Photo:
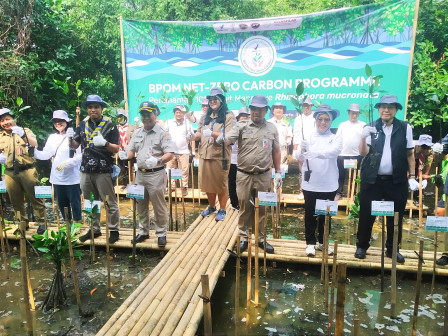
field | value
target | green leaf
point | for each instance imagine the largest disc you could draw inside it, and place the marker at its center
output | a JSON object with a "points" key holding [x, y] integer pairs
{"points": [[368, 70], [43, 249], [300, 88], [19, 101]]}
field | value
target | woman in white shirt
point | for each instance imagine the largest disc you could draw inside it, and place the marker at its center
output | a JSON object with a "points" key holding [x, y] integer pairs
{"points": [[65, 167], [319, 173]]}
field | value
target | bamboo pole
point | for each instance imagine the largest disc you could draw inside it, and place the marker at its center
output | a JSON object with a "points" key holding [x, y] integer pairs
{"points": [[342, 274], [352, 191], [92, 236], [249, 271], [170, 200], [411, 207], [184, 223], [199, 185], [445, 320], [325, 256], [256, 264], [420, 200], [134, 229], [436, 194], [417, 290], [117, 186], [237, 285], [206, 305], [383, 241], [433, 281], [107, 243], [356, 327], [349, 188], [58, 220], [72, 261], [2, 219], [175, 206], [273, 218], [192, 184], [333, 286], [3, 244], [264, 240], [123, 67], [393, 275], [278, 228]]}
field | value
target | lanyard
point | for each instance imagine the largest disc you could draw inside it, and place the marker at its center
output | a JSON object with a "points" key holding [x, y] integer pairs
{"points": [[89, 135]]}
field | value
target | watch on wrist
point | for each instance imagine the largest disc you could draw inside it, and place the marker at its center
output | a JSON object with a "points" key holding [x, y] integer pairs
{"points": [[106, 144], [411, 175]]}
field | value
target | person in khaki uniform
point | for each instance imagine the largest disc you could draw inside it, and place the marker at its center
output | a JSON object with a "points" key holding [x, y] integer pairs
{"points": [[20, 174], [153, 147], [214, 164], [258, 151]]}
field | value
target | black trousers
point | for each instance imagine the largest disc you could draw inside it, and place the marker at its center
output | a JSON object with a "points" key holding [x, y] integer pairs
{"points": [[343, 172], [381, 189], [313, 221], [232, 186]]}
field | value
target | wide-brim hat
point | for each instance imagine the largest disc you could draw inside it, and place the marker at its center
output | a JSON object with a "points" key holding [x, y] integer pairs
{"points": [[389, 99], [60, 114], [259, 101], [279, 105], [93, 99], [5, 110], [308, 101], [242, 111], [179, 107], [425, 139], [148, 107], [204, 101], [354, 108], [214, 91], [325, 108], [122, 112]]}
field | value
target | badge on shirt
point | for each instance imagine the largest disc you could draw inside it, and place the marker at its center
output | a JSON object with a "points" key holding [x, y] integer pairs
{"points": [[211, 140], [265, 143], [150, 150]]}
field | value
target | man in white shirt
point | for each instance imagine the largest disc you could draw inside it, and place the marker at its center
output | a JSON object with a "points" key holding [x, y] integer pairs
{"points": [[304, 127], [283, 127], [181, 134], [350, 131]]}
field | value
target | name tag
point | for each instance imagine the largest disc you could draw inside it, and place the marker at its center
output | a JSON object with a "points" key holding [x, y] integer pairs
{"points": [[436, 223], [267, 198], [42, 192], [94, 207], [2, 187], [382, 208], [321, 207], [349, 164], [196, 162], [135, 191]]}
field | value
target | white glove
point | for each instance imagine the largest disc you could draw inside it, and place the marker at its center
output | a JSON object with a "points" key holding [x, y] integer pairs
{"points": [[189, 136], [288, 142], [310, 155], [207, 132], [366, 131], [70, 132], [136, 120], [277, 181], [151, 162], [18, 130], [424, 184], [2, 158], [437, 148], [60, 167], [99, 140], [220, 139], [413, 184], [304, 145], [123, 155]]}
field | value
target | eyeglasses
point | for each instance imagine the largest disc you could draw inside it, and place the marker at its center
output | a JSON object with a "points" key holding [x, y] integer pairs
{"points": [[324, 120]]}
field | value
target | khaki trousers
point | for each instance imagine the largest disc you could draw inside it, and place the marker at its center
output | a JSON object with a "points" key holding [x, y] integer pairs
{"points": [[100, 184], [17, 186], [247, 187], [180, 161], [155, 184], [284, 154]]}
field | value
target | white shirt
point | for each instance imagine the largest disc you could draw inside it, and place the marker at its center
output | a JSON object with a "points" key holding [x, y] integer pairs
{"points": [[179, 134], [234, 153], [386, 159], [284, 130], [68, 176], [309, 127], [324, 168], [351, 137]]}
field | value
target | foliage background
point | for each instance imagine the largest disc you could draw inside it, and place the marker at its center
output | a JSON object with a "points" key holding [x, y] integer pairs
{"points": [[69, 40]]}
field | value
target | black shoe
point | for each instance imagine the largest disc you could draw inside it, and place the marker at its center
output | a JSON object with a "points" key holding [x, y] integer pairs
{"points": [[442, 261], [400, 258], [161, 241], [243, 246], [114, 236], [87, 236], [360, 253], [269, 248], [41, 229], [140, 238]]}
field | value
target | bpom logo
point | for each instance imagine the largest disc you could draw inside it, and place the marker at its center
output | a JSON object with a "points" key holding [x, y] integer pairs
{"points": [[257, 55]]}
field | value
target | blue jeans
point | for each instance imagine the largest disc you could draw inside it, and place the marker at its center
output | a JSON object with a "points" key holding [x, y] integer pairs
{"points": [[69, 196]]}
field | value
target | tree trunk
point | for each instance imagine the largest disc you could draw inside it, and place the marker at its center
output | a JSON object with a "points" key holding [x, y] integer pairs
{"points": [[56, 295]]}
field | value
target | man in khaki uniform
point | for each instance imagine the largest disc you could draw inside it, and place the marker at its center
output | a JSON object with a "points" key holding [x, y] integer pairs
{"points": [[20, 174], [258, 151], [152, 146]]}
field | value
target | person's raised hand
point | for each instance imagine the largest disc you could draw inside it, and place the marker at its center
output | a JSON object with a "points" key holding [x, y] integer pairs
{"points": [[18, 130], [367, 130], [99, 140]]}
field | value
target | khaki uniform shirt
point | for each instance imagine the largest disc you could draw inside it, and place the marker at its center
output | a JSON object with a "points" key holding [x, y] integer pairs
{"points": [[155, 142], [208, 149], [255, 144], [7, 146]]}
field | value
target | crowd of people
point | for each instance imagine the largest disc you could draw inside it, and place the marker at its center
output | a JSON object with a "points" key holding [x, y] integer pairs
{"points": [[236, 155]]}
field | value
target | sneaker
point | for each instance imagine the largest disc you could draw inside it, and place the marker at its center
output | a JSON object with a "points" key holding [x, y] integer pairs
{"points": [[310, 251], [221, 215], [269, 248], [207, 212], [87, 236], [400, 258], [320, 247], [442, 261], [300, 196], [114, 236], [41, 229], [161, 241]]}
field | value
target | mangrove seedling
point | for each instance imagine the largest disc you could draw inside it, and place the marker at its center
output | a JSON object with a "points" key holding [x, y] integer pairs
{"points": [[54, 245]]}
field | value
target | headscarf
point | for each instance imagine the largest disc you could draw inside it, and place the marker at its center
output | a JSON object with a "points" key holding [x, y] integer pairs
{"points": [[222, 111], [327, 131]]}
